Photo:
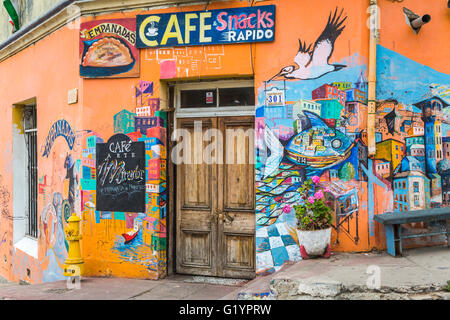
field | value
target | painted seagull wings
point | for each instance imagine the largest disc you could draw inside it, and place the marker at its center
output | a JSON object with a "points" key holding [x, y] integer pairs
{"points": [[324, 46], [304, 55], [314, 63]]}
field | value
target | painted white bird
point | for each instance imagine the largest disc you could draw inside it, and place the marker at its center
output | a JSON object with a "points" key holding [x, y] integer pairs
{"points": [[313, 64]]}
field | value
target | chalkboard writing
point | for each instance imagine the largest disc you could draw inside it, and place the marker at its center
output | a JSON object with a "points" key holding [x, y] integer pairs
{"points": [[121, 175]]}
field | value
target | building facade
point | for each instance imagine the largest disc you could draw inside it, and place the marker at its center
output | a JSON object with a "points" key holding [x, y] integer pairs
{"points": [[180, 133]]}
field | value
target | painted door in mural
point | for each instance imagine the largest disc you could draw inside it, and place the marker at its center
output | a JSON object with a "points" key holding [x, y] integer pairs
{"points": [[215, 202]]}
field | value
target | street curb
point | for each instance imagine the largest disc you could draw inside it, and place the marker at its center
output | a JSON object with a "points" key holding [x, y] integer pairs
{"points": [[289, 289]]}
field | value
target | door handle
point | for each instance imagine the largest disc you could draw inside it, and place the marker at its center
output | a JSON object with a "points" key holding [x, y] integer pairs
{"points": [[224, 216], [229, 218], [217, 216]]}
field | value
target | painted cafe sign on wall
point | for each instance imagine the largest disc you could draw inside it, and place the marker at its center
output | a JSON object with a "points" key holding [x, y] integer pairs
{"points": [[222, 26], [121, 175]]}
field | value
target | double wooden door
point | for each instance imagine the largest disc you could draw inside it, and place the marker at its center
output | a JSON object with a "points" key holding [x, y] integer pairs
{"points": [[215, 193]]}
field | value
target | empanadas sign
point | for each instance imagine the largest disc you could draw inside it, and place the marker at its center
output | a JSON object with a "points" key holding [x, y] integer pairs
{"points": [[114, 28], [108, 49]]}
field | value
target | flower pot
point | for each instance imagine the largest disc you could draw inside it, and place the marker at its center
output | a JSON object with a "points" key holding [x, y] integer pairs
{"points": [[315, 242]]}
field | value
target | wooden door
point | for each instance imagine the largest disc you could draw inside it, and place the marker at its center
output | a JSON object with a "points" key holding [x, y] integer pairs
{"points": [[215, 201]]}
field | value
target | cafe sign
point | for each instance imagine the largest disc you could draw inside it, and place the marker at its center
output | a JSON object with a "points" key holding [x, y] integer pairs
{"points": [[121, 178], [212, 27]]}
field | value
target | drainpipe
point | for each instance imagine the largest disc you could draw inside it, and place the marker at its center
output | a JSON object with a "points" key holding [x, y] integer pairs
{"points": [[372, 78]]}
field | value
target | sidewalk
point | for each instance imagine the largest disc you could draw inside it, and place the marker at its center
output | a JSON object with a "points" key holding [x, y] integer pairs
{"points": [[173, 288], [420, 274]]}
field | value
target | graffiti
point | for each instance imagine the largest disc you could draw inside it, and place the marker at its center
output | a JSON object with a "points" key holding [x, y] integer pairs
{"points": [[59, 128], [71, 174], [4, 201], [4, 238], [314, 63], [186, 61]]}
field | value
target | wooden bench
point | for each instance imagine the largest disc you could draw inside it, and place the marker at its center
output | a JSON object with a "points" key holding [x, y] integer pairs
{"points": [[392, 222]]}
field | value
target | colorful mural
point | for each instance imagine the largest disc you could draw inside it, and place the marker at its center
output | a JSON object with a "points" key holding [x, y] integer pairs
{"points": [[318, 129], [137, 238], [326, 136], [412, 135], [313, 63]]}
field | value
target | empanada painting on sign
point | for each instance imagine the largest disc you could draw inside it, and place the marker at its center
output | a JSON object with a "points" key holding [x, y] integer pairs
{"points": [[108, 49]]}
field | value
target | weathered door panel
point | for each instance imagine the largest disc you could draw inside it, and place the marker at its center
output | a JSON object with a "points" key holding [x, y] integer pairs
{"points": [[196, 200], [236, 199]]}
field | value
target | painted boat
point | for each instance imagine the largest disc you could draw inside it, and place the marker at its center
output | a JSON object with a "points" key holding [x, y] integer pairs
{"points": [[319, 162], [130, 235]]}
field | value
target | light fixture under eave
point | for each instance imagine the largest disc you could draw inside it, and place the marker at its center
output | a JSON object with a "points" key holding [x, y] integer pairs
{"points": [[415, 21]]}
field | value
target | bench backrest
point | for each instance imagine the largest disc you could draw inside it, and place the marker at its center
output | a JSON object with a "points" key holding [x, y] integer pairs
{"points": [[414, 216]]}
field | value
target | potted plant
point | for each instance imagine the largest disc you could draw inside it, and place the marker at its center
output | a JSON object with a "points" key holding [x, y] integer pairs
{"points": [[314, 220]]}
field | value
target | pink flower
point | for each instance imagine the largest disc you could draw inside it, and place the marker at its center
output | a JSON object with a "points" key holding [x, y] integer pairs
{"points": [[287, 208], [315, 179], [311, 200], [318, 194], [327, 189]]}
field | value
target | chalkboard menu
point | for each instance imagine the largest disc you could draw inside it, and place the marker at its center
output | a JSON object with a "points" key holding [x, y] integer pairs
{"points": [[120, 175]]}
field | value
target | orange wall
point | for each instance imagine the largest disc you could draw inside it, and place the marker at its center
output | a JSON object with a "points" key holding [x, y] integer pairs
{"points": [[48, 69], [429, 46]]}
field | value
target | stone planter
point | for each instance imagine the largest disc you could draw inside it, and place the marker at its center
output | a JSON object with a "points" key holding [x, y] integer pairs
{"points": [[315, 242]]}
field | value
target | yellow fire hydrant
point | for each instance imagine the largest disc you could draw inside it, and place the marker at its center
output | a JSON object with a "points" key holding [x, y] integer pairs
{"points": [[74, 264]]}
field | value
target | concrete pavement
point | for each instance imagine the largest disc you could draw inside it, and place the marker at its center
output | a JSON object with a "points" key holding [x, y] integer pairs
{"points": [[173, 288], [419, 274]]}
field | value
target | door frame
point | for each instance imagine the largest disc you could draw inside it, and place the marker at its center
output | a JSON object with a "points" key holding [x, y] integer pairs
{"points": [[225, 111], [177, 113]]}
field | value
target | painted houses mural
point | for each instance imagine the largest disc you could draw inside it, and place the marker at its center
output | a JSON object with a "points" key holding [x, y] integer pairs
{"points": [[136, 236], [412, 135], [310, 121]]}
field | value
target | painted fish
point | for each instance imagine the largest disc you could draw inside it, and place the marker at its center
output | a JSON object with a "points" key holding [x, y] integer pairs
{"points": [[316, 146]]}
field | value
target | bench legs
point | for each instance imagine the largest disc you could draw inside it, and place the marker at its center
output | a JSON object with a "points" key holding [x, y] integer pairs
{"points": [[448, 232], [398, 228], [394, 239], [390, 239]]}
